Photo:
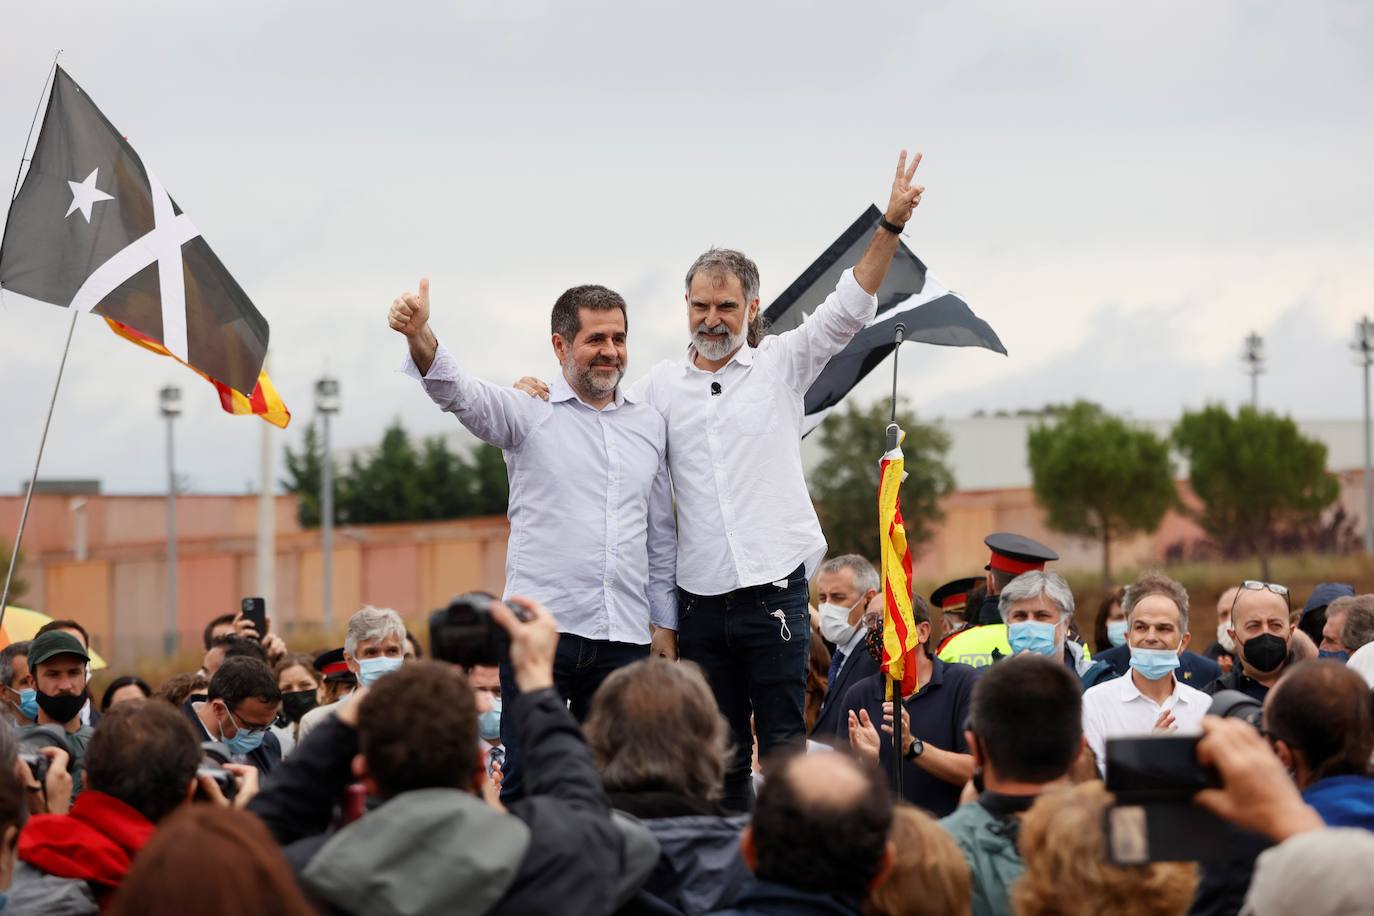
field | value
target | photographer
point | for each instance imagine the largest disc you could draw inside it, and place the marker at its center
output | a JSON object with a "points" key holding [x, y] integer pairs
{"points": [[140, 767], [412, 738], [1319, 722]]}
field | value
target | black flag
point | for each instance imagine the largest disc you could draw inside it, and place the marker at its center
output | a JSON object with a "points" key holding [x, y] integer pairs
{"points": [[93, 229], [931, 313]]}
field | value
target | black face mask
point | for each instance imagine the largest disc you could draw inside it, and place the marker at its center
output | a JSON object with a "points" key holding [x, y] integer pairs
{"points": [[1264, 653], [296, 703], [61, 707]]}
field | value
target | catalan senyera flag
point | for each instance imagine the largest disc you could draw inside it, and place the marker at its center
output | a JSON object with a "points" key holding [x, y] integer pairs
{"points": [[264, 401], [899, 627]]}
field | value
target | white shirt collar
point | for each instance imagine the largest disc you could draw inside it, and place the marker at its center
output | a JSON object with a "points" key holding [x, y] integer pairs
{"points": [[560, 390]]}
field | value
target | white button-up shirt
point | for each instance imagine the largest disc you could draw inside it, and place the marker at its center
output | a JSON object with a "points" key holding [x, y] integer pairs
{"points": [[744, 514], [591, 513], [1118, 708]]}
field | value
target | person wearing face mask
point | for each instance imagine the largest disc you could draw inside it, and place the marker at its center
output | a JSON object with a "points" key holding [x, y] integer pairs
{"points": [[1037, 608], [21, 699], [58, 661], [1152, 697], [240, 706], [1194, 670], [485, 681], [374, 646], [844, 586], [1261, 630], [299, 694], [1332, 644], [985, 640]]}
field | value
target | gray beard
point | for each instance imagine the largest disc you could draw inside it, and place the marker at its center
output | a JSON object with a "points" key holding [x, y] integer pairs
{"points": [[588, 384], [712, 350]]}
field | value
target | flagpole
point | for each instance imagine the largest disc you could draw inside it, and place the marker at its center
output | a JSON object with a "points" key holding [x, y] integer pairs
{"points": [[896, 689], [43, 440]]}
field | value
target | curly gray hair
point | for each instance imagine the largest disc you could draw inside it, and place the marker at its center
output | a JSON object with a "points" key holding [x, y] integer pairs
{"points": [[1033, 584]]}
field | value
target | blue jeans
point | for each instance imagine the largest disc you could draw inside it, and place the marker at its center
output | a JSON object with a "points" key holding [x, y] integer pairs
{"points": [[752, 644], [579, 667]]}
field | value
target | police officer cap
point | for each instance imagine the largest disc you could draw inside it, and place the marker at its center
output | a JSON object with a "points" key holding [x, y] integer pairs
{"points": [[1016, 554], [331, 664], [953, 596]]}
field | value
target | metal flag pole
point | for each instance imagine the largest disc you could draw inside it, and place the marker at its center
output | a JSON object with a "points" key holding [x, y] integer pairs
{"points": [[896, 687], [61, 367]]}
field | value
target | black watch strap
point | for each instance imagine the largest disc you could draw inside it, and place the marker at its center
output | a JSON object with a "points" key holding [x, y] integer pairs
{"points": [[890, 227], [918, 747]]}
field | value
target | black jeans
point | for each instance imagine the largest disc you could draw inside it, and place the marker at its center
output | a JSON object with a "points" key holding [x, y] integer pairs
{"points": [[579, 667], [752, 644]]}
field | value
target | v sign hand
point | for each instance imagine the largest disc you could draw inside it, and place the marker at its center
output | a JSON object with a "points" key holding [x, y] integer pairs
{"points": [[906, 196]]}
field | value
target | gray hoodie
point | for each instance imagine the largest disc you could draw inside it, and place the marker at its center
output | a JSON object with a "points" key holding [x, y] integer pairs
{"points": [[418, 854]]}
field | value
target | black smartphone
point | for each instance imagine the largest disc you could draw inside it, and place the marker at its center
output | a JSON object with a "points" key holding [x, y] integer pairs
{"points": [[1154, 779], [255, 609]]}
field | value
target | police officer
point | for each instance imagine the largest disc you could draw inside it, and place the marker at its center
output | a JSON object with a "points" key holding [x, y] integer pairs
{"points": [[985, 640], [952, 599]]}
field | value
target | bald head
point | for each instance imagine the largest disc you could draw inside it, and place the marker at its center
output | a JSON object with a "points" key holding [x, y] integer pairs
{"points": [[1259, 606], [820, 826]]}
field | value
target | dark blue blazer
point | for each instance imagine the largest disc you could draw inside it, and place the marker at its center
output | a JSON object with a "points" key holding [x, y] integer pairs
{"points": [[857, 666]]}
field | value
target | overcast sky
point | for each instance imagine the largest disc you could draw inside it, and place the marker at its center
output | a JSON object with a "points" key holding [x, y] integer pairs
{"points": [[1122, 190]]}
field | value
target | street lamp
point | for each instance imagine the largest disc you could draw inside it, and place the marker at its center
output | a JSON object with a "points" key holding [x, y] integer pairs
{"points": [[327, 404], [169, 401], [1363, 345], [1253, 357]]}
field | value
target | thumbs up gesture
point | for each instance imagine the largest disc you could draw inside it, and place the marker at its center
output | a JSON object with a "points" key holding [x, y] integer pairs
{"points": [[409, 313]]}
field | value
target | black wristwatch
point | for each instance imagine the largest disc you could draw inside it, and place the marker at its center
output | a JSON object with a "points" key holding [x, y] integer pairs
{"points": [[918, 747], [890, 226]]}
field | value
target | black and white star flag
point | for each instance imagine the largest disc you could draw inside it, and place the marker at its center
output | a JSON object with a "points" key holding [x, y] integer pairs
{"points": [[910, 294], [94, 230]]}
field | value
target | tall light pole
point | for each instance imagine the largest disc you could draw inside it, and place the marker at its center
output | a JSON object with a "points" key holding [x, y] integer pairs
{"points": [[1253, 357], [327, 404], [1364, 355], [169, 400]]}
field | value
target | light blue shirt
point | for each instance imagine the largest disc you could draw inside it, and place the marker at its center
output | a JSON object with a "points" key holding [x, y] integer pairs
{"points": [[592, 535]]}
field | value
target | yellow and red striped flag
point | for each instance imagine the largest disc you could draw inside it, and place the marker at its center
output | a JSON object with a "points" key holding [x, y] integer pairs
{"points": [[264, 401], [899, 628]]}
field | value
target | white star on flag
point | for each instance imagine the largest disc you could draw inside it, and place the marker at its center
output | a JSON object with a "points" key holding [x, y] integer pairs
{"points": [[85, 195]]}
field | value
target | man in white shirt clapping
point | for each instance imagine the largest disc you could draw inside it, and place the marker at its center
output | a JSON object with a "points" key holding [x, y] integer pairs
{"points": [[1148, 698]]}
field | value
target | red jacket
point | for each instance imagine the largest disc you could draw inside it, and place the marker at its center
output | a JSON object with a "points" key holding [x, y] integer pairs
{"points": [[96, 842]]}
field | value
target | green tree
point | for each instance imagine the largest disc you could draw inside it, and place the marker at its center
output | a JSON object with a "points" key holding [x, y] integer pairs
{"points": [[386, 485], [1255, 475], [305, 470], [1097, 477], [491, 487], [19, 586], [844, 486]]}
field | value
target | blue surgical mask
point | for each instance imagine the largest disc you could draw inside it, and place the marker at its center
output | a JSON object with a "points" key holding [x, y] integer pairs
{"points": [[28, 703], [489, 722], [1116, 632], [1033, 636], [1341, 657], [244, 741], [369, 669], [1154, 664]]}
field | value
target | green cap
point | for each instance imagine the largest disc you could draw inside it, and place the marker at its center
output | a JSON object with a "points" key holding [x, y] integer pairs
{"points": [[55, 642]]}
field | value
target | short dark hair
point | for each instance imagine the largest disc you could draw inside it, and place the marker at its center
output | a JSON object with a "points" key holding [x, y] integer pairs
{"points": [[124, 681], [65, 625], [236, 646], [824, 845], [7, 657], [415, 641], [221, 620], [1322, 709], [417, 729], [239, 679], [145, 754], [1027, 712], [567, 319]]}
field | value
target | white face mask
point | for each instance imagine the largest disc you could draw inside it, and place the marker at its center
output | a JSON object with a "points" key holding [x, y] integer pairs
{"points": [[835, 625], [1224, 637]]}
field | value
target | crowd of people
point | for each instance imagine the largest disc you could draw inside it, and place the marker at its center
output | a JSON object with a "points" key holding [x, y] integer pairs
{"points": [[688, 712]]}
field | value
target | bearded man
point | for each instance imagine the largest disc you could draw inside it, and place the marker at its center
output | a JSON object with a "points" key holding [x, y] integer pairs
{"points": [[591, 515]]}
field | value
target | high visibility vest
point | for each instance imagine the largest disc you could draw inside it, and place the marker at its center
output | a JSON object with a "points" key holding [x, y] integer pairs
{"points": [[975, 646]]}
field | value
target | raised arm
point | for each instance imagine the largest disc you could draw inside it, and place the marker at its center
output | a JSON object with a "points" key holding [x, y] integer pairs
{"points": [[494, 414], [805, 350]]}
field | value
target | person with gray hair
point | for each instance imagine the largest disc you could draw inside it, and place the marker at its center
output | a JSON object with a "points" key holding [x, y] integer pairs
{"points": [[1358, 629], [1150, 698], [1037, 607], [374, 645], [844, 587], [21, 699]]}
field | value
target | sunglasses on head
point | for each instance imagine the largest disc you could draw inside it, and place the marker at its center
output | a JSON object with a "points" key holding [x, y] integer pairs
{"points": [[1254, 585]]}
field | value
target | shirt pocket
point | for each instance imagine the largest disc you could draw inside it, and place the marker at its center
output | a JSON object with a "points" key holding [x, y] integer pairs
{"points": [[756, 414]]}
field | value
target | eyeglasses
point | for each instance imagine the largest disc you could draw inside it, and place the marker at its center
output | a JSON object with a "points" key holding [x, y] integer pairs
{"points": [[1254, 585], [245, 727]]}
